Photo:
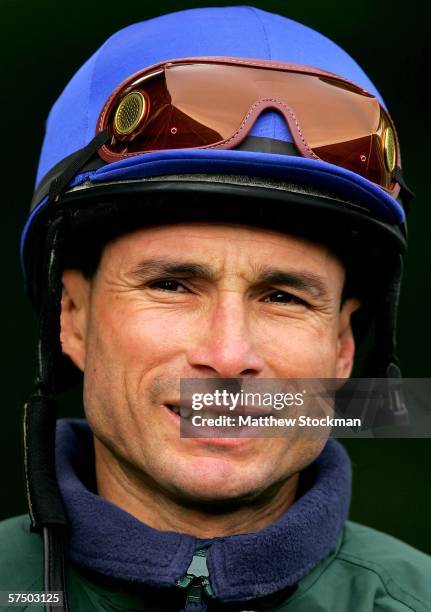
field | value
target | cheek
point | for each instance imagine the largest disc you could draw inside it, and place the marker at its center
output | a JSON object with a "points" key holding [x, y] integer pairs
{"points": [[127, 348], [299, 349], [124, 332], [129, 344]]}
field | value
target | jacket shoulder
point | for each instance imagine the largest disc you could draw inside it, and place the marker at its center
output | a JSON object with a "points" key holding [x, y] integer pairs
{"points": [[403, 570], [21, 555]]}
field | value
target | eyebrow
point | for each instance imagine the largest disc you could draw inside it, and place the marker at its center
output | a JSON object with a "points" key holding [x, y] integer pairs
{"points": [[297, 279], [165, 267], [302, 280]]}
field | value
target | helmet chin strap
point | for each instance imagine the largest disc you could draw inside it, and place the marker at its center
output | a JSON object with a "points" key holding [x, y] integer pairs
{"points": [[386, 349], [47, 514], [45, 505], [384, 404]]}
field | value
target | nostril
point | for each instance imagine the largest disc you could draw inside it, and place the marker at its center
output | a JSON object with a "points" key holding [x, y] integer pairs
{"points": [[248, 373]]}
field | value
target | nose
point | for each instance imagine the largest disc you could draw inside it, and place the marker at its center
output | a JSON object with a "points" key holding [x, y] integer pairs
{"points": [[226, 346]]}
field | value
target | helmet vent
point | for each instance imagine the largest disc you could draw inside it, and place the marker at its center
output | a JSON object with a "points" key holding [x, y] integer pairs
{"points": [[129, 114]]}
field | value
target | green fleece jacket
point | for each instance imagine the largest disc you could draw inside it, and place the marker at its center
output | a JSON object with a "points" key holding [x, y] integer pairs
{"points": [[368, 571]]}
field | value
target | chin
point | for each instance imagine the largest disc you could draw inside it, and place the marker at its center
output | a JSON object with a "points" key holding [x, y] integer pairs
{"points": [[211, 502], [220, 489]]}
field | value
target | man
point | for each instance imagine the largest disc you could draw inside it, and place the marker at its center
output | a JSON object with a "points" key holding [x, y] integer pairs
{"points": [[212, 185]]}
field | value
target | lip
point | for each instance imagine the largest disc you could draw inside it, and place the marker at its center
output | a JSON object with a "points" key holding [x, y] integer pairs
{"points": [[186, 409], [236, 442]]}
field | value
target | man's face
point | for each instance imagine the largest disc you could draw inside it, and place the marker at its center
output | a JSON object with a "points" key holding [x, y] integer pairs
{"points": [[197, 301]]}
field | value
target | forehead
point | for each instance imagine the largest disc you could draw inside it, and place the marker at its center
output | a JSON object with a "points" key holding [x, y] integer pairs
{"points": [[218, 242], [226, 254]]}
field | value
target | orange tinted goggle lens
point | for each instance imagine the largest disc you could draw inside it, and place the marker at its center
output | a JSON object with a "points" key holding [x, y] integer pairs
{"points": [[198, 104]]}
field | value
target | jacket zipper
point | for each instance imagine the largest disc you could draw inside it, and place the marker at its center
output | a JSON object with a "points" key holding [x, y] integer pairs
{"points": [[196, 582]]}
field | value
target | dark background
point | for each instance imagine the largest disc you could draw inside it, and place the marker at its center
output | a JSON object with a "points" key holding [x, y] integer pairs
{"points": [[42, 45]]}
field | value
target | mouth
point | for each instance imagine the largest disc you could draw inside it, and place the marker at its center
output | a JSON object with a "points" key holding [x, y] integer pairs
{"points": [[173, 411], [173, 408], [180, 410], [185, 411], [177, 412]]}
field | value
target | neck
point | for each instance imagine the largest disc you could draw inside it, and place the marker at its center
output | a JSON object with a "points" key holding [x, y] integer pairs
{"points": [[143, 498]]}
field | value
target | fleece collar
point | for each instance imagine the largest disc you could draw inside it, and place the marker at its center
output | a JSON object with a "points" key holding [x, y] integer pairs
{"points": [[107, 540]]}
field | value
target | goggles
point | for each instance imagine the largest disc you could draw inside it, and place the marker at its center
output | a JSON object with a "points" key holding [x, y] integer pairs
{"points": [[212, 103]]}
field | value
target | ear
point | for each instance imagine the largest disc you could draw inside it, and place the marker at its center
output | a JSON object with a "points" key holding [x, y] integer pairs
{"points": [[75, 301], [346, 341]]}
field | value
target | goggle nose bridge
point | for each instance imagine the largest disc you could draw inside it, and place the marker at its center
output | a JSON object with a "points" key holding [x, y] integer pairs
{"points": [[255, 111]]}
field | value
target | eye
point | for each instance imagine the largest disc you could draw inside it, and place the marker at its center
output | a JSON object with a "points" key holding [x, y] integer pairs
{"points": [[168, 285], [282, 297]]}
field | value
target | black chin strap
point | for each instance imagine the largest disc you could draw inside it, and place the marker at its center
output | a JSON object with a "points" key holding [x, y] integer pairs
{"points": [[47, 514], [45, 505], [57, 179], [54, 579], [384, 363]]}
